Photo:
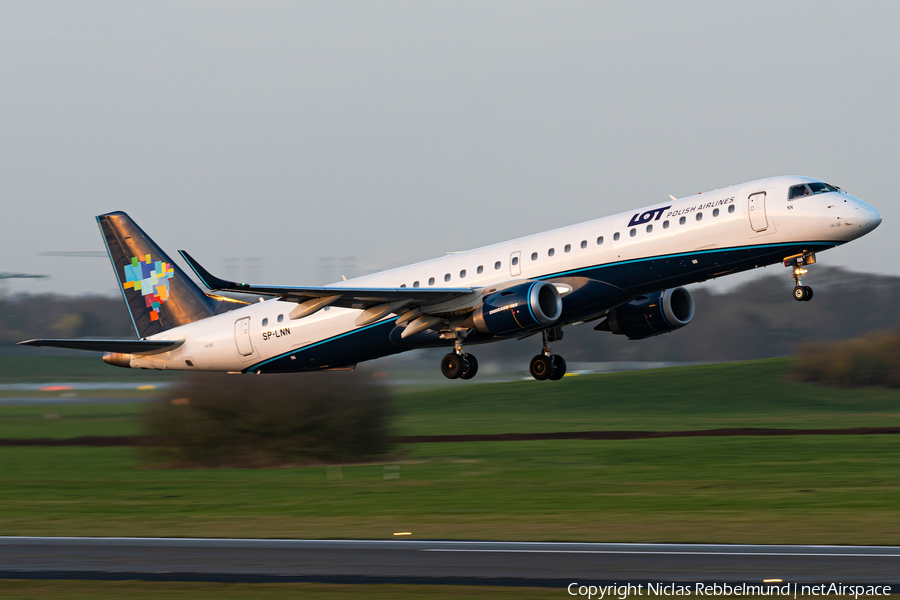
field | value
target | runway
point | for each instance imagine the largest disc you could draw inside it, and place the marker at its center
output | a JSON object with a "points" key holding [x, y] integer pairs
{"points": [[444, 562]]}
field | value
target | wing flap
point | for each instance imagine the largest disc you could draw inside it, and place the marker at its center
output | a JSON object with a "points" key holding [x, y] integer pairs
{"points": [[119, 346]]}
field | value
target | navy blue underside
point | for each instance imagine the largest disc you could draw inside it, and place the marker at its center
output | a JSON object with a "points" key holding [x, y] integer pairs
{"points": [[595, 289]]}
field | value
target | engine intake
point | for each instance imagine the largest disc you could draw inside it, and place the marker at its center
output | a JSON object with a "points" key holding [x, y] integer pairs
{"points": [[650, 315], [524, 307]]}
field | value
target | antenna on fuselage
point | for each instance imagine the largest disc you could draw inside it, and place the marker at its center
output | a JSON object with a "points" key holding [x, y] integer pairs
{"points": [[673, 198]]}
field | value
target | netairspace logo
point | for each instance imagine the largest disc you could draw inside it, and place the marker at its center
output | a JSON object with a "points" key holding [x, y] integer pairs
{"points": [[788, 590]]}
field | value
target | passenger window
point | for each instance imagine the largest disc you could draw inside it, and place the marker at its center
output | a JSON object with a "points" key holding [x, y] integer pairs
{"points": [[265, 322], [551, 252], [584, 244], [665, 224], [515, 261], [633, 232], [480, 269], [431, 281], [280, 318], [497, 265], [682, 220], [415, 284], [534, 256], [599, 240], [447, 277], [649, 228], [616, 236], [403, 285], [699, 216], [568, 248], [462, 273], [731, 208], [798, 191], [716, 212]]}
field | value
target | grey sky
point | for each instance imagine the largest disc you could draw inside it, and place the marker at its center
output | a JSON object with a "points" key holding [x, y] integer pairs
{"points": [[395, 132]]}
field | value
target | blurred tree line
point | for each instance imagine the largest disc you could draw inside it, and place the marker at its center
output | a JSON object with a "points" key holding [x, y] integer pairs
{"points": [[24, 317], [756, 320], [870, 359]]}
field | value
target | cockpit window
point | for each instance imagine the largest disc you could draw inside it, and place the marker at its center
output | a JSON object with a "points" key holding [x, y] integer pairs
{"points": [[818, 187], [798, 191], [821, 188]]}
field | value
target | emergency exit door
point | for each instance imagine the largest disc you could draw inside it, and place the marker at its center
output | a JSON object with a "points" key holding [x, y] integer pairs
{"points": [[515, 268], [757, 211], [242, 336]]}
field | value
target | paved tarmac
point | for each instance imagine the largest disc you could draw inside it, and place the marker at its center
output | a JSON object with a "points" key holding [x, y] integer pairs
{"points": [[446, 562]]}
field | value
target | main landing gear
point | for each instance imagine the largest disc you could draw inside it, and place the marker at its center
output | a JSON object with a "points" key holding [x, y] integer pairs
{"points": [[458, 364], [802, 293], [547, 365]]}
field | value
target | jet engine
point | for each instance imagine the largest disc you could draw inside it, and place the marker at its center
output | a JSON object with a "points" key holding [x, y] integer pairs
{"points": [[529, 305], [653, 314]]}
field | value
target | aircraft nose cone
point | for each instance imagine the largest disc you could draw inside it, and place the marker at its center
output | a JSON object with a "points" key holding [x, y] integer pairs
{"points": [[876, 219], [871, 217]]}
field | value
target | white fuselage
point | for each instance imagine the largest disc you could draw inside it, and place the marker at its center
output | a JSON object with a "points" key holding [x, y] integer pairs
{"points": [[704, 223]]}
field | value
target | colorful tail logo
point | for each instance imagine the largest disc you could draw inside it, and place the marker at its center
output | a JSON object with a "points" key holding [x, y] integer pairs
{"points": [[152, 279]]}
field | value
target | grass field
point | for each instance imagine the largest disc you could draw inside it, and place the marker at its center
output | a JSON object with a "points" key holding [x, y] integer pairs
{"points": [[815, 489], [810, 489], [749, 394], [139, 590], [803, 489], [76, 590]]}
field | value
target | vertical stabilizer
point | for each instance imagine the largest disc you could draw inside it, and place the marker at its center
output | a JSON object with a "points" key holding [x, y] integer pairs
{"points": [[159, 295]]}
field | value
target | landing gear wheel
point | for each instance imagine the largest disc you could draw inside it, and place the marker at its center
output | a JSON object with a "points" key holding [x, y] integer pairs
{"points": [[471, 367], [803, 293], [452, 365], [559, 368], [541, 367]]}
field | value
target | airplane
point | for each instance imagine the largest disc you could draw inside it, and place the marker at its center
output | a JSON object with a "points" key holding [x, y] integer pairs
{"points": [[626, 271]]}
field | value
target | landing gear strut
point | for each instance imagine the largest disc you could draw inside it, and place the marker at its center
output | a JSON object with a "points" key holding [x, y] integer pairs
{"points": [[458, 364], [547, 365], [801, 293]]}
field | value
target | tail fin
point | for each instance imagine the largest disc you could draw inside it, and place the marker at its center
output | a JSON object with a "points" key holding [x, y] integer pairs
{"points": [[159, 295]]}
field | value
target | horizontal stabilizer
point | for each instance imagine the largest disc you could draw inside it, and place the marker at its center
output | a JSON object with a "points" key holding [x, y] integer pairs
{"points": [[338, 295], [118, 346]]}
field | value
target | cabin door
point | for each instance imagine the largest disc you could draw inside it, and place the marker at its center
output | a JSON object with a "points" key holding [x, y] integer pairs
{"points": [[515, 264], [757, 211], [242, 336]]}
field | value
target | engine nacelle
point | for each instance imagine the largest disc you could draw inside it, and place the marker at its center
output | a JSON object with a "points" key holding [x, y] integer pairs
{"points": [[524, 307], [650, 315]]}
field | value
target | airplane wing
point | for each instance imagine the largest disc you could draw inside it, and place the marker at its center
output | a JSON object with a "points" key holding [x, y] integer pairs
{"points": [[344, 297], [119, 346]]}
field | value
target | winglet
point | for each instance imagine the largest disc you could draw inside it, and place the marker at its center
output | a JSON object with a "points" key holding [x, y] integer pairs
{"points": [[209, 280]]}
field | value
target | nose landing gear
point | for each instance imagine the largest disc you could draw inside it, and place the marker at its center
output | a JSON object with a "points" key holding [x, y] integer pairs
{"points": [[547, 365], [802, 293]]}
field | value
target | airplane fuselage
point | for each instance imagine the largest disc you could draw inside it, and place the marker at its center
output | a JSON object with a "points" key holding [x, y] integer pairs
{"points": [[596, 266]]}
